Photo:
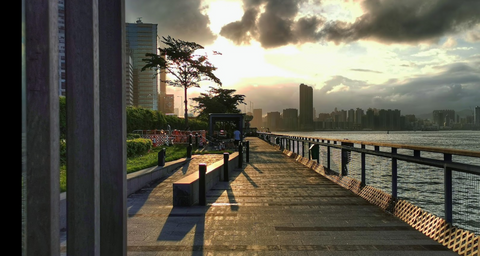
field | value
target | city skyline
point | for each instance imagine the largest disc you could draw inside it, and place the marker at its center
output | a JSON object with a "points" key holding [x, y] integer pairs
{"points": [[343, 49]]}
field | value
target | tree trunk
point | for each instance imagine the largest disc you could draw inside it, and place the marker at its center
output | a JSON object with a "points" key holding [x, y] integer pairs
{"points": [[186, 109]]}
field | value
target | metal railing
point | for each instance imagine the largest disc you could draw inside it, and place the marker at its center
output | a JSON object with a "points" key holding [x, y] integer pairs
{"points": [[444, 182]]}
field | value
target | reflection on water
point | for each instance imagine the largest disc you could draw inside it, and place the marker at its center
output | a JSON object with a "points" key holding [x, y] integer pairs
{"points": [[419, 184]]}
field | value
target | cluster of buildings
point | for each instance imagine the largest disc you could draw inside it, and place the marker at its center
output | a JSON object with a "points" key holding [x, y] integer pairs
{"points": [[306, 119], [143, 88]]}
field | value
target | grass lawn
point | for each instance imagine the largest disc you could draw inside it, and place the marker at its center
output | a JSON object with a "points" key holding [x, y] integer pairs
{"points": [[150, 159]]}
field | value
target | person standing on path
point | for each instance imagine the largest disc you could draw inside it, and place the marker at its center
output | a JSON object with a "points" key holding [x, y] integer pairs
{"points": [[236, 137]]}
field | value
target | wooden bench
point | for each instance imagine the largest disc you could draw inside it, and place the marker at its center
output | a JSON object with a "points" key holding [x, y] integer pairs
{"points": [[186, 190]]}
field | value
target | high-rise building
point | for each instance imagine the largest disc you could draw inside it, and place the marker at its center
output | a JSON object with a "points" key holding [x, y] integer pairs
{"points": [[142, 39], [443, 117], [476, 116], [290, 119], [164, 101], [168, 106], [61, 48], [358, 117], [128, 78], [306, 107], [274, 121], [257, 118]]}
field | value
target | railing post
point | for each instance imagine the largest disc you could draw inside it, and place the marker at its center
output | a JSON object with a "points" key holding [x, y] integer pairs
{"points": [[298, 145], [448, 189], [328, 156], [345, 159], [394, 173], [189, 151], [309, 153], [240, 154], [303, 148], [363, 165], [202, 169], [225, 166], [248, 151], [161, 157]]}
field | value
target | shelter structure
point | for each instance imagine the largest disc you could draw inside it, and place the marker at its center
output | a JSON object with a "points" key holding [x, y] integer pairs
{"points": [[238, 119]]}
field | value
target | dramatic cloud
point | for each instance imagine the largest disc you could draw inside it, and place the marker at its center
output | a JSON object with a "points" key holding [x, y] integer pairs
{"points": [[276, 23], [406, 21], [181, 19], [273, 23]]}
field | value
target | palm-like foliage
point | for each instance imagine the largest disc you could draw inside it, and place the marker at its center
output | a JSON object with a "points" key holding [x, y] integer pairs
{"points": [[186, 67]]}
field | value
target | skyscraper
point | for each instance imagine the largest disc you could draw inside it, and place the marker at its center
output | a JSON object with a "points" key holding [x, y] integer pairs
{"points": [[290, 119], [61, 48], [306, 107], [476, 116], [257, 118], [142, 39]]}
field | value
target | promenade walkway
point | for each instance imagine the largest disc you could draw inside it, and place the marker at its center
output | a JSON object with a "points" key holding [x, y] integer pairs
{"points": [[271, 206]]}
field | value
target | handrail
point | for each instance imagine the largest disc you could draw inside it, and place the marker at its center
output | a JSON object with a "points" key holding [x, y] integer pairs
{"points": [[459, 152], [345, 145]]}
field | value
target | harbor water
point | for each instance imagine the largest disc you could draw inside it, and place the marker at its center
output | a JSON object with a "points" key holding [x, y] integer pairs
{"points": [[421, 185]]}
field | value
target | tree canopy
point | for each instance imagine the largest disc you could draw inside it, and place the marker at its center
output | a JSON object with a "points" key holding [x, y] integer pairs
{"points": [[186, 66], [218, 100]]}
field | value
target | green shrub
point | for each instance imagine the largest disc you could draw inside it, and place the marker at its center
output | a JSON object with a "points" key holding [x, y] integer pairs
{"points": [[132, 136], [138, 146]]}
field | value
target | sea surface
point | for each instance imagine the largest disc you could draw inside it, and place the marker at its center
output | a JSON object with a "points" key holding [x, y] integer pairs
{"points": [[419, 184]]}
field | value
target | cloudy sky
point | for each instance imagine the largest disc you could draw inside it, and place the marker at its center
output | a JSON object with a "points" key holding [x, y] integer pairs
{"points": [[412, 55]]}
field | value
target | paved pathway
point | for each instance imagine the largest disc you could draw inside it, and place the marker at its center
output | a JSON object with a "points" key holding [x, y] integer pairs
{"points": [[271, 206]]}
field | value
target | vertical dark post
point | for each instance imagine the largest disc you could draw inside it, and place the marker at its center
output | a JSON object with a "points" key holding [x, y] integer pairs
{"points": [[343, 160], [363, 165], [416, 153], [113, 182], [40, 131], [202, 198], [240, 154], [83, 122], [309, 153], [196, 140], [394, 173], [448, 189], [161, 157], [225, 166], [190, 139], [298, 146], [247, 156], [189, 151], [303, 148]]}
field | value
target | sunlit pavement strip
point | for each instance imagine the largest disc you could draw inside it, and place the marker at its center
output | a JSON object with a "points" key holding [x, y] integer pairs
{"points": [[271, 206]]}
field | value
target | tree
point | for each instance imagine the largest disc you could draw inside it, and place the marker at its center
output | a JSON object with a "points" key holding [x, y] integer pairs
{"points": [[218, 100], [188, 68]]}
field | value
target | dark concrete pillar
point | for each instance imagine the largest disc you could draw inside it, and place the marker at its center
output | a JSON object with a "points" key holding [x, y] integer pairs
{"points": [[41, 180], [83, 122], [113, 170]]}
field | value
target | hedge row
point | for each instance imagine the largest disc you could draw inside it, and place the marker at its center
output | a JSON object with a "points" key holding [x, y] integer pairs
{"points": [[142, 119], [136, 147]]}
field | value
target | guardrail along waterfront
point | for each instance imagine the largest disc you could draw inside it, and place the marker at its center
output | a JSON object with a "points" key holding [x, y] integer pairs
{"points": [[435, 190]]}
